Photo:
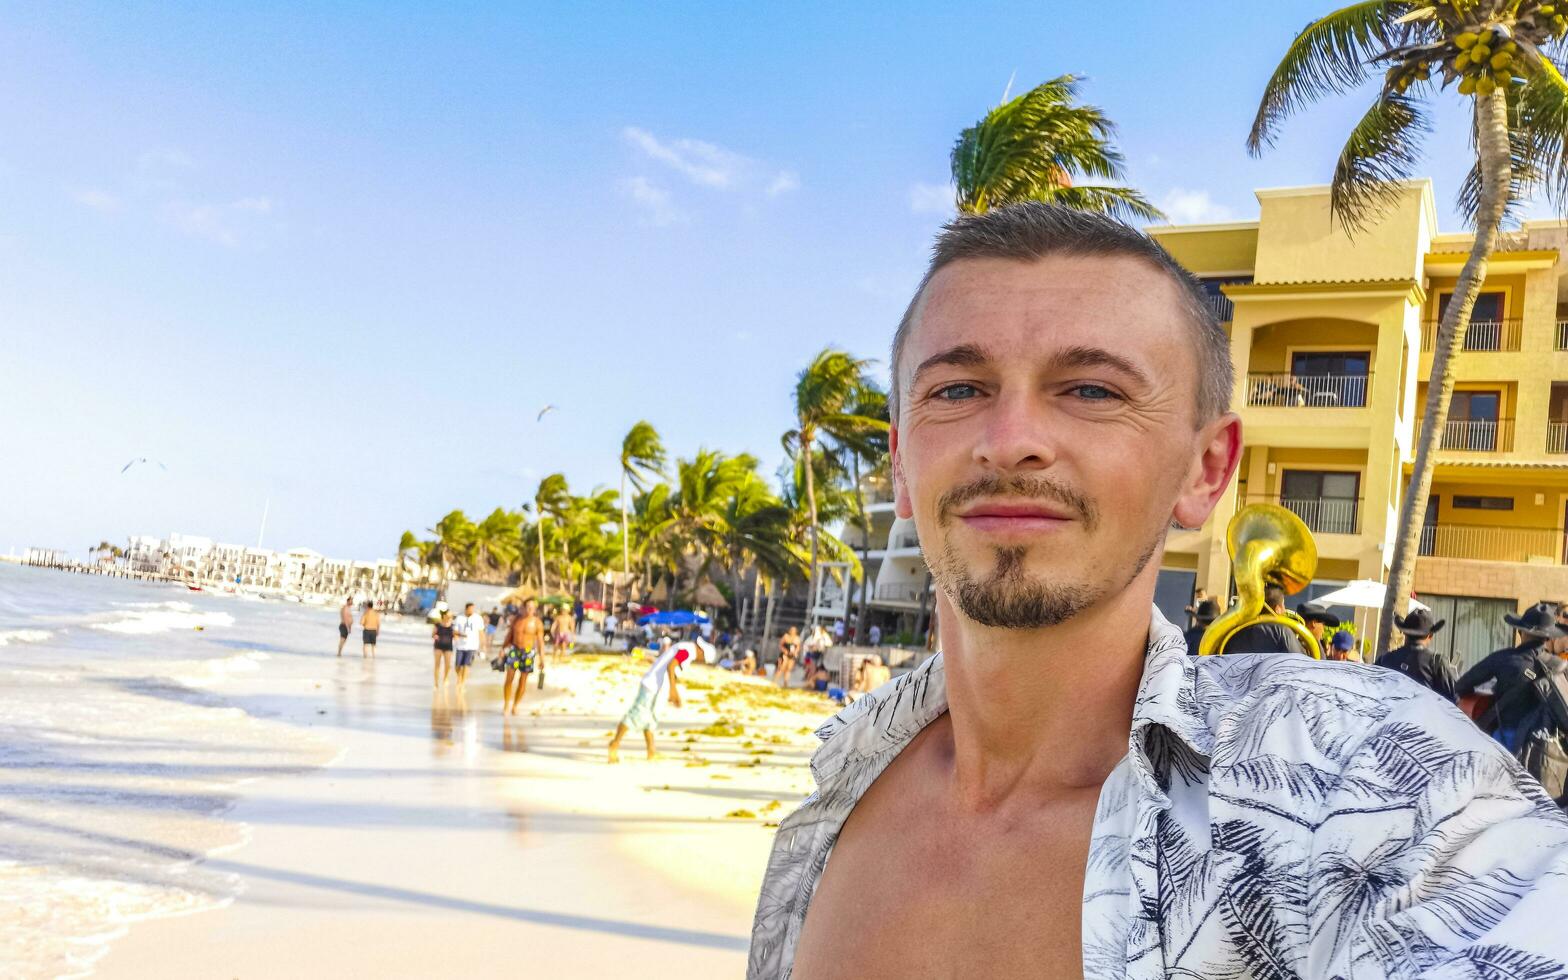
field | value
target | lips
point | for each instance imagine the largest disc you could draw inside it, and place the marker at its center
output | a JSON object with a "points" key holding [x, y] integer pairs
{"points": [[1014, 516]]}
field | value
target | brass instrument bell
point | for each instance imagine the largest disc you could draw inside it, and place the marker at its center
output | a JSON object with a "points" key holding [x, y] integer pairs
{"points": [[1268, 545]]}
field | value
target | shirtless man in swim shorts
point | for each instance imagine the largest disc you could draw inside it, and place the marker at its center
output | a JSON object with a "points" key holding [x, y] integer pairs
{"points": [[345, 623], [524, 646]]}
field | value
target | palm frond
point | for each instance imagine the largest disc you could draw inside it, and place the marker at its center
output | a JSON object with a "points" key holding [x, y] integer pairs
{"points": [[1540, 118], [1329, 57], [1118, 202], [1382, 150]]}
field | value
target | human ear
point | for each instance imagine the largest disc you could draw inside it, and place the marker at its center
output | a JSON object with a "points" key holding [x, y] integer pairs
{"points": [[1216, 454]]}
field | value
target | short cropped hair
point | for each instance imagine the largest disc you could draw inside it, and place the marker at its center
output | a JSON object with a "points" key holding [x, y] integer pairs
{"points": [[1034, 230]]}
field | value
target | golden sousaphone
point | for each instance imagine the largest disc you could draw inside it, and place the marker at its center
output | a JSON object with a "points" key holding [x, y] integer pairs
{"points": [[1268, 545]]}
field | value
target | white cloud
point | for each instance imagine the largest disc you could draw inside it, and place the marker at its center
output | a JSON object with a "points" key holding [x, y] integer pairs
{"points": [[700, 162], [95, 198], [783, 183], [712, 166], [931, 198], [655, 201], [1184, 207], [227, 224]]}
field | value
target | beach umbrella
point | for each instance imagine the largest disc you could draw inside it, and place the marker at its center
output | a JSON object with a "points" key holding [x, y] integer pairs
{"points": [[673, 617], [1363, 593]]}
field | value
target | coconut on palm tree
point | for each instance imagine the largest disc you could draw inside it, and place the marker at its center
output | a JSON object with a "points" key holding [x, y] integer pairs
{"points": [[829, 401], [1039, 147], [1501, 56]]}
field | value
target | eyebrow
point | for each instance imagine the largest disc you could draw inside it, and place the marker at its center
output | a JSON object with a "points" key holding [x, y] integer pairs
{"points": [[1090, 357], [963, 355], [973, 355]]}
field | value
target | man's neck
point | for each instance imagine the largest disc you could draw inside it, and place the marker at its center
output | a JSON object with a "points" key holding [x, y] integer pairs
{"points": [[1040, 712]]}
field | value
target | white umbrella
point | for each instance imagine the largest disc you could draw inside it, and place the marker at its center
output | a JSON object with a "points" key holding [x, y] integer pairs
{"points": [[1363, 593]]}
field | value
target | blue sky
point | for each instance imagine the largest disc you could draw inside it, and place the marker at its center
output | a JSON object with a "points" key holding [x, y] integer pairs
{"points": [[338, 256]]}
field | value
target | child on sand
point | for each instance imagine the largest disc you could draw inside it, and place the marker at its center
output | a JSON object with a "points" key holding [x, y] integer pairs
{"points": [[640, 716]]}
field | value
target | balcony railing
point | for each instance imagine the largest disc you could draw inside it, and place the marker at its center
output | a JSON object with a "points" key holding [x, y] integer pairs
{"points": [[1492, 543], [1478, 436], [898, 593], [1483, 335], [1220, 305], [1308, 390], [1562, 335], [1326, 515], [1557, 437]]}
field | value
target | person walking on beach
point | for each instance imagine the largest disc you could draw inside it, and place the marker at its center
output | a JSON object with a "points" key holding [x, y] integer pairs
{"points": [[789, 652], [469, 628], [345, 623], [370, 628], [441, 633], [608, 629], [492, 623], [524, 646], [565, 631], [642, 715]]}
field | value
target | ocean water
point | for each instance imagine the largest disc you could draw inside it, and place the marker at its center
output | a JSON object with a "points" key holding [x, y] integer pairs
{"points": [[123, 743]]}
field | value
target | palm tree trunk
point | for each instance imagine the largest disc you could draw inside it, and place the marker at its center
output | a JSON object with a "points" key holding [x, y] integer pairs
{"points": [[865, 552], [1491, 124], [767, 624], [626, 551], [811, 502], [543, 590], [751, 612]]}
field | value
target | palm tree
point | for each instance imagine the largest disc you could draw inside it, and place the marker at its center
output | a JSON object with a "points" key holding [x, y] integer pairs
{"points": [[1503, 55], [642, 454], [496, 539], [829, 396], [454, 542], [549, 499], [1031, 148]]}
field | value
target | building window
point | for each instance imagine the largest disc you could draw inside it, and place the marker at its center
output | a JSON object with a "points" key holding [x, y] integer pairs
{"points": [[1462, 502], [1332, 377], [1325, 500]]}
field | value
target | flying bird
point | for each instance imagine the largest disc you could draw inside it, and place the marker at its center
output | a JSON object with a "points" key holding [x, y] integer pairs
{"points": [[142, 459], [543, 412]]}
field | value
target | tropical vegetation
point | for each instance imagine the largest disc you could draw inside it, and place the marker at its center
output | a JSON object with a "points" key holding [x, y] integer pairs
{"points": [[1504, 57], [696, 532]]}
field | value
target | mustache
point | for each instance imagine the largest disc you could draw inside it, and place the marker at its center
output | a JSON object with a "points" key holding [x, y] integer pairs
{"points": [[1025, 487]]}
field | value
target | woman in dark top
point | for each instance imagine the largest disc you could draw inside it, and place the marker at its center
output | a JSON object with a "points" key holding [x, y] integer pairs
{"points": [[443, 649]]}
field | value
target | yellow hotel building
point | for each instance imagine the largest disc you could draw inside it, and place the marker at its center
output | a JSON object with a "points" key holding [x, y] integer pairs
{"points": [[1331, 338]]}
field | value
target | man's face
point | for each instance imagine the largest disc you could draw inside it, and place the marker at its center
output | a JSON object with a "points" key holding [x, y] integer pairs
{"points": [[1315, 627], [1047, 432]]}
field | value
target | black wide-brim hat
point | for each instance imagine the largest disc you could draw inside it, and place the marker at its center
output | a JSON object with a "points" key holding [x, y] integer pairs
{"points": [[1539, 620], [1419, 623], [1311, 611]]}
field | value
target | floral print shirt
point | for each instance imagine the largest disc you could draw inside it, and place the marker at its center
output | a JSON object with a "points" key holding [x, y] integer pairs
{"points": [[1275, 817]]}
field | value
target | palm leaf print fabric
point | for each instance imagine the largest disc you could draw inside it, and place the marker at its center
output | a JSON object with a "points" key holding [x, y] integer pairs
{"points": [[1275, 817]]}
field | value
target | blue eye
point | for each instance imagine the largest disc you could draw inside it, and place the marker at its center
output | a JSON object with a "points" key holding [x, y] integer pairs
{"points": [[1094, 393], [955, 393]]}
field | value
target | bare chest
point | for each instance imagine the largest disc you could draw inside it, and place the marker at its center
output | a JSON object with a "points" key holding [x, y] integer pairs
{"points": [[912, 891]]}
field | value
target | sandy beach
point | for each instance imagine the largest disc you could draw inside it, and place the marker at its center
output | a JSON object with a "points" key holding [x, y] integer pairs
{"points": [[409, 834]]}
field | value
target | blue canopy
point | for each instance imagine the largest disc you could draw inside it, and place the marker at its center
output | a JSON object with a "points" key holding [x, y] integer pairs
{"points": [[673, 617]]}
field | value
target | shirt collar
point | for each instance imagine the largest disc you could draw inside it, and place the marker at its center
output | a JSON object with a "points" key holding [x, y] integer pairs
{"points": [[887, 718]]}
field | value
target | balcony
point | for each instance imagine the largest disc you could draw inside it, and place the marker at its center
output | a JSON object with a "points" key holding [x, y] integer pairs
{"points": [[1308, 390], [1483, 335], [904, 541], [1478, 436], [896, 592], [1220, 305], [1536, 545], [1562, 336], [1326, 515], [1557, 437]]}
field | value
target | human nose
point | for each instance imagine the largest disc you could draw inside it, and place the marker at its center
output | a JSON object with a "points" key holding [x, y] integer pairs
{"points": [[1017, 435]]}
